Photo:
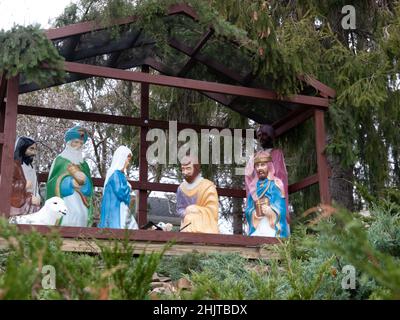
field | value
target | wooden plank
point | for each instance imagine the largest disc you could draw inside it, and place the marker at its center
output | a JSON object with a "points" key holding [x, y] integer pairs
{"points": [[293, 120], [213, 64], [91, 26], [163, 187], [7, 155], [169, 187], [88, 246], [191, 84], [183, 8], [111, 119], [93, 247], [1, 138], [190, 63], [323, 89], [151, 235], [143, 165], [84, 27], [3, 87], [323, 169], [309, 181]]}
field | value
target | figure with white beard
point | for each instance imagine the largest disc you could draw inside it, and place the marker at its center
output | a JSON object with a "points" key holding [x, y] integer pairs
{"points": [[70, 179], [115, 212]]}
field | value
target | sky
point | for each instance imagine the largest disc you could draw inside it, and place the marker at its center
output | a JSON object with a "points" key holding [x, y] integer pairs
{"points": [[25, 12]]}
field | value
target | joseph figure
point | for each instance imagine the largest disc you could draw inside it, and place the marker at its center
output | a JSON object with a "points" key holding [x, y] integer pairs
{"points": [[196, 200], [70, 179]]}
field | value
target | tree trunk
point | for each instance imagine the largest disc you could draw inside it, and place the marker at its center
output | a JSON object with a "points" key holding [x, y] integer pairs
{"points": [[341, 183]]}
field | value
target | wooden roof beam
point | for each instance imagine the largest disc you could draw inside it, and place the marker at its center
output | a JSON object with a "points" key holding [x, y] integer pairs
{"points": [[324, 90], [191, 84], [90, 26], [190, 63]]}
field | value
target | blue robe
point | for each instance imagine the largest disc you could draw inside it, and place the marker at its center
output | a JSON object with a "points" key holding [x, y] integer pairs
{"points": [[277, 203], [116, 191]]}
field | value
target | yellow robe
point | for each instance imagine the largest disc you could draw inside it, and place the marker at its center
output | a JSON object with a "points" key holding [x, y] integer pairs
{"points": [[202, 217]]}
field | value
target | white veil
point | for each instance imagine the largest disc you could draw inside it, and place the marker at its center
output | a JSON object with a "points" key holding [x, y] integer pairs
{"points": [[118, 162]]}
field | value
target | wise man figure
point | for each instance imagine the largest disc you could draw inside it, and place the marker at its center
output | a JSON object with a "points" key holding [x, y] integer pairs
{"points": [[266, 136], [70, 179], [196, 200], [267, 215], [25, 197]]}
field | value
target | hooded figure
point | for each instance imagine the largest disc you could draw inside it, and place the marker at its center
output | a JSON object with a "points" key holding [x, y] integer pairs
{"points": [[115, 211], [25, 197], [70, 179]]}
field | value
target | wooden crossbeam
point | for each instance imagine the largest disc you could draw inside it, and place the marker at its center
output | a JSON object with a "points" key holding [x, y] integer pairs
{"points": [[191, 84], [292, 120], [190, 63], [112, 119]]}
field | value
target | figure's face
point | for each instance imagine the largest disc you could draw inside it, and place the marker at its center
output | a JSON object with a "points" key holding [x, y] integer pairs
{"points": [[77, 144], [128, 161], [262, 170], [188, 172], [31, 151]]}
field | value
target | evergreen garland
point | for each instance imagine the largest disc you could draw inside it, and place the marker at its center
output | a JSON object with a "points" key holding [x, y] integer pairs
{"points": [[25, 50]]}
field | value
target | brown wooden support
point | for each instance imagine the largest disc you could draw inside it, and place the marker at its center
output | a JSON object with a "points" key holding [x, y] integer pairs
{"points": [[9, 120], [111, 119], [190, 63], [323, 168], [198, 85], [298, 186], [151, 235], [153, 186], [143, 166], [91, 26], [292, 120], [3, 86]]}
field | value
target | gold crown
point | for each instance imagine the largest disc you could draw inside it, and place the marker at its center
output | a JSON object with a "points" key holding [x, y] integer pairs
{"points": [[262, 158]]}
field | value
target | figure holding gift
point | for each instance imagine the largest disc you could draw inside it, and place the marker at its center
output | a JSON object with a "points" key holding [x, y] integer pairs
{"points": [[266, 216], [70, 179], [266, 136]]}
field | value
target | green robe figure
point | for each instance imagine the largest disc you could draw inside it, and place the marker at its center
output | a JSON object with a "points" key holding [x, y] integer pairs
{"points": [[70, 179]]}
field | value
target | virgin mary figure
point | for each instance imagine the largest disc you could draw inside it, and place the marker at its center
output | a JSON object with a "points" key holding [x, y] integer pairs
{"points": [[115, 212]]}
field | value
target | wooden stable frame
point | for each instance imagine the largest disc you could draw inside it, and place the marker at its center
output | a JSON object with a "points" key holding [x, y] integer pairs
{"points": [[312, 106]]}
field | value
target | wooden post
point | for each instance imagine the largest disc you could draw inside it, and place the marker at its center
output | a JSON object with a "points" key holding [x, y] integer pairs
{"points": [[8, 122], [323, 170], [143, 166]]}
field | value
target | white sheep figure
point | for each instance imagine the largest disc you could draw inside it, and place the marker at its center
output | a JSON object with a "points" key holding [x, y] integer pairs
{"points": [[51, 213]]}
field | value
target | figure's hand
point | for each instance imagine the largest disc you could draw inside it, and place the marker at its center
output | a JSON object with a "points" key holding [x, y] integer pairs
{"points": [[36, 201], [132, 202], [75, 184], [28, 185], [191, 209], [80, 177]]}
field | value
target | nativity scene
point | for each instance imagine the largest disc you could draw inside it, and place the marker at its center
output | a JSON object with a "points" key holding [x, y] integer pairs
{"points": [[85, 51]]}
